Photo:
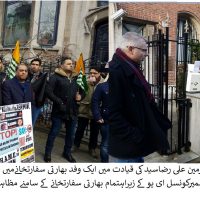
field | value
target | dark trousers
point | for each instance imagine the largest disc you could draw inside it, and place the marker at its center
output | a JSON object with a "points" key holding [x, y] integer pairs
{"points": [[104, 143], [70, 126], [94, 131]]}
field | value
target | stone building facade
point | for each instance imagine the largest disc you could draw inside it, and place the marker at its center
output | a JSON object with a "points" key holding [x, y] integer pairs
{"points": [[51, 29]]}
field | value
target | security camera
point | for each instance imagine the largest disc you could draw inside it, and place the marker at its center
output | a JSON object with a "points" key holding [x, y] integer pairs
{"points": [[119, 14]]}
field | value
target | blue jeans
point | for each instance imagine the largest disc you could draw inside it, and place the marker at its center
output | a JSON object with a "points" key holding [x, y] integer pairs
{"points": [[70, 126], [36, 111], [104, 143], [128, 160]]}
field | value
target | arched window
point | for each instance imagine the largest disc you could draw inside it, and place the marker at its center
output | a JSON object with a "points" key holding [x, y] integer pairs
{"points": [[187, 23], [48, 22], [100, 50], [183, 21]]}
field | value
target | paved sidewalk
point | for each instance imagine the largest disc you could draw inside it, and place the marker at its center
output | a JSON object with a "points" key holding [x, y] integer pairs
{"points": [[82, 155], [40, 137]]}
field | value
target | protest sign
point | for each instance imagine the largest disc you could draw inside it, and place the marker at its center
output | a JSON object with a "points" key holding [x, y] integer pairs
{"points": [[16, 134]]}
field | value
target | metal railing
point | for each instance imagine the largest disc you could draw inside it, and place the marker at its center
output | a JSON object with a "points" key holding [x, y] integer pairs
{"points": [[171, 99]]}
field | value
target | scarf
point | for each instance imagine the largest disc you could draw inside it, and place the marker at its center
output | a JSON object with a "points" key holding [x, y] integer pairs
{"points": [[136, 70]]}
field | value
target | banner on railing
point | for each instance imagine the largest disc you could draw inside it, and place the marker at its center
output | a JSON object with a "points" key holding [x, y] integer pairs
{"points": [[16, 134]]}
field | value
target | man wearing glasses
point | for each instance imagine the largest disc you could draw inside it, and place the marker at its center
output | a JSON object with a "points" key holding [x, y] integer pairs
{"points": [[85, 114], [137, 128]]}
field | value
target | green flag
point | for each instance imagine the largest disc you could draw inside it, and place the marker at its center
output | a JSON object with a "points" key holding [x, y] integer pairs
{"points": [[81, 81], [10, 71]]}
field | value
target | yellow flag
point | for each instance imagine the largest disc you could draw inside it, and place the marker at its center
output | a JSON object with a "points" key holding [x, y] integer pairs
{"points": [[80, 64], [16, 53]]}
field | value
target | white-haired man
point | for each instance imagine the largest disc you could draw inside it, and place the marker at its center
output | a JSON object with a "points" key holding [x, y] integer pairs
{"points": [[137, 128]]}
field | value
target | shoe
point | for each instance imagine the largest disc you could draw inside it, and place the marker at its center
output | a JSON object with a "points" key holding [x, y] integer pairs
{"points": [[93, 153], [69, 158], [47, 158]]}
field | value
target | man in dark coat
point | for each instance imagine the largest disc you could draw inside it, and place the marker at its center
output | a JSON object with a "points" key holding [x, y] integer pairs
{"points": [[17, 89], [137, 128], [35, 76], [85, 114], [2, 79], [100, 102], [65, 93]]}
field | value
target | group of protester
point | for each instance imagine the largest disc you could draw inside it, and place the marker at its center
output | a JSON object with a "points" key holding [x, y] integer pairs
{"points": [[121, 106], [72, 106], [75, 108]]}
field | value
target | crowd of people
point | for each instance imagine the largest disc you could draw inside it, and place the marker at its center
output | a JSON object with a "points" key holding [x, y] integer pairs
{"points": [[72, 106], [118, 104]]}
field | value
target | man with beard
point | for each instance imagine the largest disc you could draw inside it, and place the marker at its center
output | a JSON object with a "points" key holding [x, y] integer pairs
{"points": [[65, 93], [34, 76], [85, 114]]}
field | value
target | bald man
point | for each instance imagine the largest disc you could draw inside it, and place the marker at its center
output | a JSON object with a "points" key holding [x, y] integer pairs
{"points": [[17, 89]]}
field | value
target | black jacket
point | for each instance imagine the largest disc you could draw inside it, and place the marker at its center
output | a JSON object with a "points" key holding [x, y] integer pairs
{"points": [[100, 101], [15, 92], [2, 78], [39, 87], [62, 91], [30, 76], [134, 127]]}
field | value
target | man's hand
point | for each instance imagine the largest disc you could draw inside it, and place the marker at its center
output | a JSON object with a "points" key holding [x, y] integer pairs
{"points": [[101, 121], [78, 96]]}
